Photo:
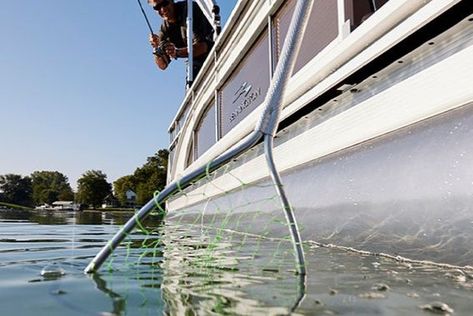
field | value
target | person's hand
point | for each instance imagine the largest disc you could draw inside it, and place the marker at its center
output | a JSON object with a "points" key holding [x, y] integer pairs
{"points": [[152, 2], [154, 40], [170, 50]]}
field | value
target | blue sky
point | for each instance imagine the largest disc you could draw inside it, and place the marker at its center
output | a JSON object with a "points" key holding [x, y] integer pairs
{"points": [[79, 89]]}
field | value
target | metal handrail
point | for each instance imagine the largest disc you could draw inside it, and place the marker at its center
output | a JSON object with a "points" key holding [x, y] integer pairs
{"points": [[266, 127]]}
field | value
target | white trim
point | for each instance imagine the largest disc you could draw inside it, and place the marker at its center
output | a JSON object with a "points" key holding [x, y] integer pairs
{"points": [[442, 87]]}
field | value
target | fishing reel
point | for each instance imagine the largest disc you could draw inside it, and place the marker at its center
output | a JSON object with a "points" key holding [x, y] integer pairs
{"points": [[160, 52]]}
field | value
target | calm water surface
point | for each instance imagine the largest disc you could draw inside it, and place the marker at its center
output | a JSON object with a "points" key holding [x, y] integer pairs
{"points": [[180, 270]]}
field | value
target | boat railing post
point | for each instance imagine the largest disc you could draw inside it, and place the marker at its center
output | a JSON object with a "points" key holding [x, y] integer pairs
{"points": [[190, 34], [217, 20]]}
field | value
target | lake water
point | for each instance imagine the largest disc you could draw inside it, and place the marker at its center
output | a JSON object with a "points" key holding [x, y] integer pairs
{"points": [[178, 270]]}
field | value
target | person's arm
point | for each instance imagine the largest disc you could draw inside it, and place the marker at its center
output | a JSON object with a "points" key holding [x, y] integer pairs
{"points": [[160, 61], [202, 32], [160, 58], [199, 49]]}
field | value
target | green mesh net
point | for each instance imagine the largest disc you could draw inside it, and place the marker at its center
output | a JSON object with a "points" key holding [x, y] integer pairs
{"points": [[214, 252]]}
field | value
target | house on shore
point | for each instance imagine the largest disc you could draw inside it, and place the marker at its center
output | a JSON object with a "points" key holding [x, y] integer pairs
{"points": [[60, 206], [111, 201], [130, 198]]}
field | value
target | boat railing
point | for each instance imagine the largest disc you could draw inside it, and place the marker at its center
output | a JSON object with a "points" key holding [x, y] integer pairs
{"points": [[242, 63]]}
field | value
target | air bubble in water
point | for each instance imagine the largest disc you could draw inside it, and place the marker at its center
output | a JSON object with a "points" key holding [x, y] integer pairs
{"points": [[53, 270]]}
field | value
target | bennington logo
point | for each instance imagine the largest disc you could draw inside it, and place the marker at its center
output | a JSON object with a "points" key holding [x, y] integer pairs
{"points": [[249, 96], [244, 89]]}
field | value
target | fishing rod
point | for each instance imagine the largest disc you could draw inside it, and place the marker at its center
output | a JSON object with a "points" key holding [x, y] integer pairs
{"points": [[159, 50], [145, 16]]}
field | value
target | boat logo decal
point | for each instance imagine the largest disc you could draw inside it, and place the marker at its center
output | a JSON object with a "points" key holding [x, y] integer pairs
{"points": [[250, 95], [244, 89]]}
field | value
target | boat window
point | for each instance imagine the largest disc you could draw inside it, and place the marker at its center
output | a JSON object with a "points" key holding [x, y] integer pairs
{"points": [[357, 11], [172, 134], [181, 120], [179, 123], [322, 29], [190, 154], [246, 87], [206, 131], [172, 151]]}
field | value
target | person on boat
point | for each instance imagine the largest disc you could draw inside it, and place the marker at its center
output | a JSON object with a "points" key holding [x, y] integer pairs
{"points": [[171, 41]]}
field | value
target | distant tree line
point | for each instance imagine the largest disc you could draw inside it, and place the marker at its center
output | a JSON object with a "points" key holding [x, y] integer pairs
{"points": [[16, 189], [145, 180], [46, 187]]}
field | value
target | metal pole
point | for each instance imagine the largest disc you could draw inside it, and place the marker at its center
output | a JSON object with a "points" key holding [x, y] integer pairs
{"points": [[190, 34], [170, 189], [217, 21], [288, 211], [270, 119], [373, 3]]}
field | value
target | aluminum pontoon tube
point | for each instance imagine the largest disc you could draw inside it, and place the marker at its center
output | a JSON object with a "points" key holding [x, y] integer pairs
{"points": [[269, 117]]}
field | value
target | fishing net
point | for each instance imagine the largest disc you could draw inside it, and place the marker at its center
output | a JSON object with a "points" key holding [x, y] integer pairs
{"points": [[219, 222], [217, 252]]}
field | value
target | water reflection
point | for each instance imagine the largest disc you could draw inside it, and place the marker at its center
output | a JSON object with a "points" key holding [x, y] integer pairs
{"points": [[50, 218], [190, 270], [118, 302], [89, 217], [15, 215], [228, 274]]}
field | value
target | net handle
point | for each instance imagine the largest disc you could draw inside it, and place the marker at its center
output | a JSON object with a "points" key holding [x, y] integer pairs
{"points": [[266, 126]]}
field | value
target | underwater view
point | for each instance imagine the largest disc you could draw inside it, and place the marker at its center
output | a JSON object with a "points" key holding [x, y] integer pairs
{"points": [[183, 270]]}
